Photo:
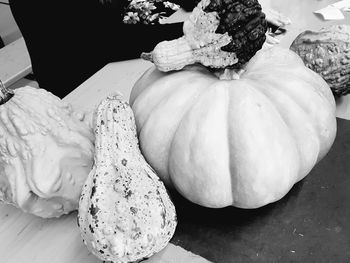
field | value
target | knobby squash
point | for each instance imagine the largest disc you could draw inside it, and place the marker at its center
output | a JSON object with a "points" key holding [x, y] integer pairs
{"points": [[46, 152], [327, 52], [243, 142], [125, 213], [216, 34]]}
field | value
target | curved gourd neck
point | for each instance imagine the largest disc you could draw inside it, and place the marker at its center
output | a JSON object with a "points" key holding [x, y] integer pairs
{"points": [[115, 128]]}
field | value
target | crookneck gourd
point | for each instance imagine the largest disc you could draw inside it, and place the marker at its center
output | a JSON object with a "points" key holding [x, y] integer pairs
{"points": [[327, 52], [46, 152], [217, 34], [243, 142], [125, 213]]}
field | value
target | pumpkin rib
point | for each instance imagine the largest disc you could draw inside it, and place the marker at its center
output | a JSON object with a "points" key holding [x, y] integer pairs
{"points": [[325, 93], [195, 97], [161, 106], [182, 179], [152, 77], [286, 112], [257, 180], [231, 152], [319, 120], [237, 179], [324, 101], [260, 64], [304, 74], [164, 95], [322, 88]]}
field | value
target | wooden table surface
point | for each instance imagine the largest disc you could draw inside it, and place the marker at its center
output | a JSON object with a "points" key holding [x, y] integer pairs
{"points": [[26, 238]]}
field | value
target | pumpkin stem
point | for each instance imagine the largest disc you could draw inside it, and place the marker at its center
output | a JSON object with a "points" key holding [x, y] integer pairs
{"points": [[5, 93], [229, 73]]}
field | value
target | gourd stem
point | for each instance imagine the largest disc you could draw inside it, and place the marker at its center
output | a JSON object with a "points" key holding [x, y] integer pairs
{"points": [[147, 56], [5, 94]]}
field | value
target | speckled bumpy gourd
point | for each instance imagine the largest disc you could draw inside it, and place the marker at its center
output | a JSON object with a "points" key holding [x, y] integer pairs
{"points": [[125, 213]]}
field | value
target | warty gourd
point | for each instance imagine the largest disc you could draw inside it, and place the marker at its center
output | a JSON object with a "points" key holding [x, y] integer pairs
{"points": [[46, 152], [125, 213], [217, 34], [327, 52]]}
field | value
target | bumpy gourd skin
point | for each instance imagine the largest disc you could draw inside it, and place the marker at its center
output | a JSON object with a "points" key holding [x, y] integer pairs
{"points": [[327, 52], [125, 213], [245, 23], [46, 153], [217, 34]]}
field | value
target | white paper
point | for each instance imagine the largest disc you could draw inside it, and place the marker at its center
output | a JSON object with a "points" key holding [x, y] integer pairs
{"points": [[345, 4], [330, 13]]}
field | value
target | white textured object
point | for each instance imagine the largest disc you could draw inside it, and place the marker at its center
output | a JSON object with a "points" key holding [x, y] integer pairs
{"points": [[125, 213], [46, 153]]}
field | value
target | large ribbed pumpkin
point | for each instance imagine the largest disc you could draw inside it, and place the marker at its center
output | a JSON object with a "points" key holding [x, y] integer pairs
{"points": [[242, 142]]}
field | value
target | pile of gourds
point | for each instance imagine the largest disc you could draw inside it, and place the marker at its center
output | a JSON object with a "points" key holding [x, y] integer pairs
{"points": [[219, 134]]}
